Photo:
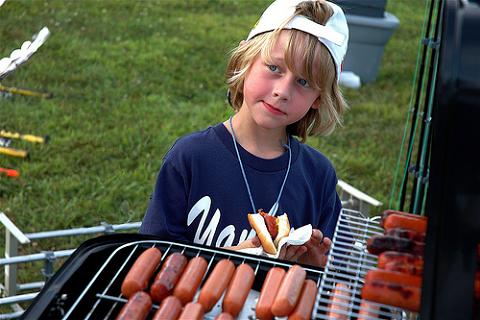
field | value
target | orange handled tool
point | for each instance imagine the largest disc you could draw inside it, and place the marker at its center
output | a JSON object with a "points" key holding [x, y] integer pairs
{"points": [[9, 173]]}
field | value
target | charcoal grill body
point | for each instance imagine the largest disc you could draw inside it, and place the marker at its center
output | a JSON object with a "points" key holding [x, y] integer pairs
{"points": [[88, 285], [70, 280], [453, 205]]}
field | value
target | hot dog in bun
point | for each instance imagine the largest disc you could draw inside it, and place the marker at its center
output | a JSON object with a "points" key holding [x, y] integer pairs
{"points": [[270, 230]]}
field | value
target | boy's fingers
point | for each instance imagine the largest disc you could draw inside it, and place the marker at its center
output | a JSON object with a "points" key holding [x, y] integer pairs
{"points": [[317, 235], [294, 252], [300, 252], [316, 238], [326, 243], [323, 261], [256, 241]]}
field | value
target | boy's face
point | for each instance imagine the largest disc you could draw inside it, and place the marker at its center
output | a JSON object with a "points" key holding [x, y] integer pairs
{"points": [[274, 96]]}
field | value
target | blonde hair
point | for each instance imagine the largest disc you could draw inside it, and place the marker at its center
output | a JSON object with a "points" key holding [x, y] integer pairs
{"points": [[318, 69]]}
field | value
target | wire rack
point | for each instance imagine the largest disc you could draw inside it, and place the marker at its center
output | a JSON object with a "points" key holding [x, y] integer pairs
{"points": [[339, 292], [101, 298]]}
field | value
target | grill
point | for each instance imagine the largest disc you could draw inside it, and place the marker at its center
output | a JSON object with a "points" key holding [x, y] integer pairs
{"points": [[88, 284]]}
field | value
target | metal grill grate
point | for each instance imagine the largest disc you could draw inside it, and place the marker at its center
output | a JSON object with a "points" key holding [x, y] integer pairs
{"points": [[345, 271], [101, 298], [347, 265]]}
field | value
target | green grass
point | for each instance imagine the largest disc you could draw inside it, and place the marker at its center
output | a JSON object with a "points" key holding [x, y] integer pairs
{"points": [[129, 77]]}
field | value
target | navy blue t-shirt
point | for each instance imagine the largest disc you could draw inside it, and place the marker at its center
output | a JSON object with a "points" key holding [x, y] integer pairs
{"points": [[200, 194]]}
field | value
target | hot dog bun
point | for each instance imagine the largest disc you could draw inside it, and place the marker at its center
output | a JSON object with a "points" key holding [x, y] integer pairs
{"points": [[258, 224], [283, 228], [257, 221]]}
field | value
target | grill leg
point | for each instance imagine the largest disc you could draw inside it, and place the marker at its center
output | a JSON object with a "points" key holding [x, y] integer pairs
{"points": [[11, 250]]}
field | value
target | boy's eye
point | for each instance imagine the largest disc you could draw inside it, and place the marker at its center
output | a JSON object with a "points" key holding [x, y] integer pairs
{"points": [[303, 82], [272, 67]]}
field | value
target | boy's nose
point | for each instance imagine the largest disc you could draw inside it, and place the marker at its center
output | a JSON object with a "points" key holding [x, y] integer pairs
{"points": [[283, 87]]}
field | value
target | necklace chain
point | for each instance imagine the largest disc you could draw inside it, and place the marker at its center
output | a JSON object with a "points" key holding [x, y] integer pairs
{"points": [[243, 170]]}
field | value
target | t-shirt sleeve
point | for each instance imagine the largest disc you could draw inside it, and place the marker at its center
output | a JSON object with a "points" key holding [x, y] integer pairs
{"points": [[166, 212], [331, 207]]}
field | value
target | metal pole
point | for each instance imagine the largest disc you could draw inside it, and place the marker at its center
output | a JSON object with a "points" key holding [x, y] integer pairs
{"points": [[11, 250]]}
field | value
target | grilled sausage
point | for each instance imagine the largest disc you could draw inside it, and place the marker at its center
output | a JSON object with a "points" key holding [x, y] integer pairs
{"points": [[414, 223], [339, 301], [224, 316], [394, 294], [216, 284], [367, 310], [380, 243], [304, 307], [395, 256], [192, 311], [403, 268], [270, 287], [387, 213], [401, 262], [289, 291], [169, 309], [168, 276], [190, 279], [406, 234], [394, 277], [141, 272], [137, 307], [237, 291]]}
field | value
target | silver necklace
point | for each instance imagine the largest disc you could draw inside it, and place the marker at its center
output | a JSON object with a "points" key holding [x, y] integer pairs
{"points": [[245, 176]]}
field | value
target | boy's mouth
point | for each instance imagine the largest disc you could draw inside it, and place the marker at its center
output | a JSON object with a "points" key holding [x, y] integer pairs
{"points": [[272, 109]]}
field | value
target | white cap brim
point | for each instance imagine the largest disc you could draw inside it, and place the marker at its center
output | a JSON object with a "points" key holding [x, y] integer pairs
{"points": [[334, 34]]}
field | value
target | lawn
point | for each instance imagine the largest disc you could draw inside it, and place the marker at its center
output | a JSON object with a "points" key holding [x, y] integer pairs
{"points": [[129, 77]]}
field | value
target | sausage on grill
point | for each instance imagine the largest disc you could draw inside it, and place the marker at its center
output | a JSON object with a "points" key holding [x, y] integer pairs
{"points": [[137, 307], [339, 301], [380, 243], [289, 291], [190, 279], [367, 310], [411, 222], [394, 277], [406, 234], [270, 287], [169, 309], [238, 289], [192, 311], [168, 276], [141, 272], [401, 262], [394, 294], [224, 316], [216, 284], [387, 213], [304, 307]]}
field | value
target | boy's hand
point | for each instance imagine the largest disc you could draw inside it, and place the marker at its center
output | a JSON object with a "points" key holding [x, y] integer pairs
{"points": [[317, 248], [249, 243], [313, 252]]}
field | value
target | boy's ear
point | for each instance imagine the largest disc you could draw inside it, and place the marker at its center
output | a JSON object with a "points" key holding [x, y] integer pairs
{"points": [[316, 103]]}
